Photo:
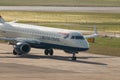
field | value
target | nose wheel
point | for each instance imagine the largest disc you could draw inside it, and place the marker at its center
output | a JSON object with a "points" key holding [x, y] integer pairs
{"points": [[74, 58]]}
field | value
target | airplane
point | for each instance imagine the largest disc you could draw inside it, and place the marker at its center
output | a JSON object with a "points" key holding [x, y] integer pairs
{"points": [[23, 37]]}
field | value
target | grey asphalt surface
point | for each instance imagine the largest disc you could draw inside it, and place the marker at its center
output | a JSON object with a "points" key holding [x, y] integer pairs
{"points": [[62, 9], [37, 66]]}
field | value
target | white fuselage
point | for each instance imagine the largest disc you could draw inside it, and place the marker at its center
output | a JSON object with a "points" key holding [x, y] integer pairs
{"points": [[53, 36]]}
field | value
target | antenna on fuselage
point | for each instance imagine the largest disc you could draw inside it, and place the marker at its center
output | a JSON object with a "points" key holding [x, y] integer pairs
{"points": [[1, 19]]}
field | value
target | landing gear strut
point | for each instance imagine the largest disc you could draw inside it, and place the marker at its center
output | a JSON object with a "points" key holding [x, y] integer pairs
{"points": [[74, 57], [48, 52]]}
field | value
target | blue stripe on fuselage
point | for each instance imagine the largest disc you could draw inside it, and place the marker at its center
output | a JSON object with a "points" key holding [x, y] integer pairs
{"points": [[55, 46]]}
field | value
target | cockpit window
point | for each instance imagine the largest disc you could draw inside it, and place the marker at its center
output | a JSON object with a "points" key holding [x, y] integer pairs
{"points": [[77, 37]]}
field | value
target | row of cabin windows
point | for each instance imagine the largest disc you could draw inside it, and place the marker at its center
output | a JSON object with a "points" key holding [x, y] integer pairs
{"points": [[77, 37], [38, 33]]}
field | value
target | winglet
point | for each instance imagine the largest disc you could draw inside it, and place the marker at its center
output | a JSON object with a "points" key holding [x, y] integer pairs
{"points": [[1, 19], [95, 30]]}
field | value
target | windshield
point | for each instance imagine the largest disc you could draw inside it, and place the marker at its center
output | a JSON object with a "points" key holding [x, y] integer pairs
{"points": [[77, 37]]}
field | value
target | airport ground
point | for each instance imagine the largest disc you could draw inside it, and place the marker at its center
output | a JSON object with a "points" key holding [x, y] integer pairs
{"points": [[37, 66], [61, 9], [104, 3]]}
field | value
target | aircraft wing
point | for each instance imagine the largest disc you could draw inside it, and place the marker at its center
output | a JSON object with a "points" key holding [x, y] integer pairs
{"points": [[15, 40], [7, 39], [95, 34], [91, 36]]}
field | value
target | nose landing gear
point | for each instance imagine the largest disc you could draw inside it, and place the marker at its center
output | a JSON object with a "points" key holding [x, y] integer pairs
{"points": [[74, 58]]}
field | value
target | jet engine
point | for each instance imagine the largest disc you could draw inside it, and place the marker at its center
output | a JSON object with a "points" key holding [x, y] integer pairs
{"points": [[22, 48]]}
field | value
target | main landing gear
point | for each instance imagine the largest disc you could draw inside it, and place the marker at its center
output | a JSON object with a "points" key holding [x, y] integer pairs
{"points": [[14, 52], [48, 52]]}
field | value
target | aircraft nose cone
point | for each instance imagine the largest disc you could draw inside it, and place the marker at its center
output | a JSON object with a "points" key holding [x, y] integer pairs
{"points": [[84, 44]]}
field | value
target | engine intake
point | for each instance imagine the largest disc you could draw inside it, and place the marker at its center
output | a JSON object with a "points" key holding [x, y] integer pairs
{"points": [[22, 48]]}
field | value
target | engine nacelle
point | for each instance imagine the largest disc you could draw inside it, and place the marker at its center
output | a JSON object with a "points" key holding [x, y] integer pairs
{"points": [[22, 48]]}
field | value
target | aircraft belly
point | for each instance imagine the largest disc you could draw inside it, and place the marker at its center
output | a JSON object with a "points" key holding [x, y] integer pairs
{"points": [[56, 46]]}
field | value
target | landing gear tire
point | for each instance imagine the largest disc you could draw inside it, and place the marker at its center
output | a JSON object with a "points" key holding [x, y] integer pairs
{"points": [[51, 52], [48, 52], [74, 58], [18, 54], [14, 52]]}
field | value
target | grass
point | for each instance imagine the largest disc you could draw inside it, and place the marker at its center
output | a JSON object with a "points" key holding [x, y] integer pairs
{"points": [[106, 46], [68, 20], [78, 21], [60, 2]]}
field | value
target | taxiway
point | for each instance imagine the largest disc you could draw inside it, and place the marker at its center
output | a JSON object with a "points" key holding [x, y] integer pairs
{"points": [[61, 9], [37, 66]]}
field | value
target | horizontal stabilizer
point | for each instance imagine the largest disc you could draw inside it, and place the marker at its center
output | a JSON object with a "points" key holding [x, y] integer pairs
{"points": [[2, 20]]}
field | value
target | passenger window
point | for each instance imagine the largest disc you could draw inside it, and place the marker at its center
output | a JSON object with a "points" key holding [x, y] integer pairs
{"points": [[73, 37]]}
